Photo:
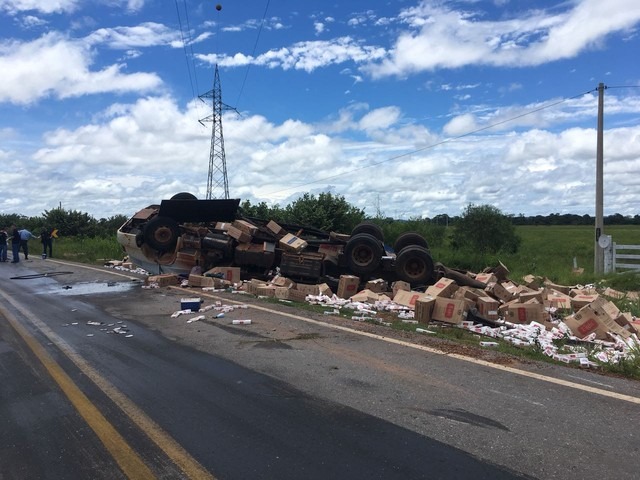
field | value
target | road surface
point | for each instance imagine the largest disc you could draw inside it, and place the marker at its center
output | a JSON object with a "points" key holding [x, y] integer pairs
{"points": [[292, 395]]}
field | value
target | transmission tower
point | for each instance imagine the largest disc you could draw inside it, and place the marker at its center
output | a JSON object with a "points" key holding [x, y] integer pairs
{"points": [[217, 180]]}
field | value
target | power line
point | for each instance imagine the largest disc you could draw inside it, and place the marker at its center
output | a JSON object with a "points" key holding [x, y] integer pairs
{"points": [[186, 14], [255, 47], [437, 144], [184, 45]]}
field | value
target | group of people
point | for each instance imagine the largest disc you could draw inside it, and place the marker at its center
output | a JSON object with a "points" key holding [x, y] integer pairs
{"points": [[20, 241]]}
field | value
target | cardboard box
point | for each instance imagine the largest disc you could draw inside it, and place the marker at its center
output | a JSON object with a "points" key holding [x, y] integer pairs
{"points": [[295, 295], [348, 286], [445, 287], [560, 288], [308, 289], [325, 289], [238, 234], [200, 281], [227, 273], [525, 313], [524, 297], [469, 293], [408, 299], [282, 293], [496, 290], [365, 296], [222, 226], [486, 278], [596, 317], [424, 309], [488, 307], [292, 243], [246, 227], [557, 300], [580, 301], [275, 228], [252, 287], [266, 291], [532, 281], [280, 281], [164, 280], [378, 285], [611, 293], [449, 310], [399, 286]]}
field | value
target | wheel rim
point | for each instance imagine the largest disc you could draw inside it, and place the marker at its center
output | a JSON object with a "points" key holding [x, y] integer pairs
{"points": [[415, 268], [362, 256], [163, 235]]}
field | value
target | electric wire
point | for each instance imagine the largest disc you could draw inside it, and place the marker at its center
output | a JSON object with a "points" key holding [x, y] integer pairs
{"points": [[186, 55], [255, 47], [195, 73], [437, 144]]}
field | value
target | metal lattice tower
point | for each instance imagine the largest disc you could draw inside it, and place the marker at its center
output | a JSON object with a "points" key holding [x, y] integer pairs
{"points": [[217, 180]]}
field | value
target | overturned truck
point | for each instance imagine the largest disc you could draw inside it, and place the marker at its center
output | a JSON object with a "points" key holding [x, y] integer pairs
{"points": [[184, 232]]}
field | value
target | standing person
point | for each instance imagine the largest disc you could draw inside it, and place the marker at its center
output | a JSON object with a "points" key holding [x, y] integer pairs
{"points": [[47, 242], [15, 244], [3, 245], [25, 235]]}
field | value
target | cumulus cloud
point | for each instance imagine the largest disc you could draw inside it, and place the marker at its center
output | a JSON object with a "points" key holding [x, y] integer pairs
{"points": [[47, 7], [146, 34], [440, 37], [55, 66]]}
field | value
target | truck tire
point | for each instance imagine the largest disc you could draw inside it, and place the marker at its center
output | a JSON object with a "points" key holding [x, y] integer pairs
{"points": [[161, 233], [364, 253], [371, 228], [414, 265], [409, 238], [184, 196]]}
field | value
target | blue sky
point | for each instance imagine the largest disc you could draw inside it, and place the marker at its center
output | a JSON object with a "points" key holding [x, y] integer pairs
{"points": [[407, 108]]}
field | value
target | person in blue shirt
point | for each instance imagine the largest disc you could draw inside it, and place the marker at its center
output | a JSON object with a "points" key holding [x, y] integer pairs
{"points": [[25, 235], [3, 245]]}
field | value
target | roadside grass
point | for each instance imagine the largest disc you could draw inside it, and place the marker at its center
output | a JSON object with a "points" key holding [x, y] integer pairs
{"points": [[94, 251]]}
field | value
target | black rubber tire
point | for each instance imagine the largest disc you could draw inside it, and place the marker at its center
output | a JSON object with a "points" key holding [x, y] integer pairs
{"points": [[407, 239], [161, 233], [184, 196], [139, 240], [371, 228], [415, 265], [363, 253]]}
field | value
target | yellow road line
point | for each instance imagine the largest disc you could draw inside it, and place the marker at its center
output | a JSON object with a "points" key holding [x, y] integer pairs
{"points": [[178, 455], [504, 368], [130, 463]]}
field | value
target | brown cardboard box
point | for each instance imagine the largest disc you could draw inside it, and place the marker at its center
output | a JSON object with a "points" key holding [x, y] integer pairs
{"points": [[558, 300], [164, 280], [238, 234], [424, 309], [246, 227], [200, 281], [469, 292], [525, 313], [560, 288], [581, 300], [611, 293], [365, 296], [282, 293], [228, 273], [222, 226], [596, 317], [583, 291], [330, 250], [280, 281], [308, 289], [625, 320], [378, 285], [348, 286], [325, 289], [496, 290], [292, 243], [445, 287], [266, 291], [486, 278], [449, 310], [532, 281], [488, 307], [528, 295], [399, 286], [296, 295], [408, 299], [275, 228]]}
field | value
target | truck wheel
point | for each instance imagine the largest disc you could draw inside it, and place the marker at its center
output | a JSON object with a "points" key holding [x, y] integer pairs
{"points": [[161, 233], [363, 253], [184, 196], [371, 228], [407, 239], [414, 265]]}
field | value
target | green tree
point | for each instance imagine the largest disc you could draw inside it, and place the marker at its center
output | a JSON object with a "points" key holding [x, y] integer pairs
{"points": [[484, 229], [71, 223], [326, 211]]}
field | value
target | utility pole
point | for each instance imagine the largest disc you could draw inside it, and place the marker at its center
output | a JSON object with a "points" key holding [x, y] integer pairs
{"points": [[217, 179], [598, 262]]}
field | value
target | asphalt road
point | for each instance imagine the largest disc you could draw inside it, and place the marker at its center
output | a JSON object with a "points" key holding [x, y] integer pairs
{"points": [[293, 395]]}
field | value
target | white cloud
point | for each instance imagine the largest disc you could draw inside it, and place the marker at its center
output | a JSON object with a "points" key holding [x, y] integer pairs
{"points": [[144, 35], [444, 38], [49, 6], [54, 66]]}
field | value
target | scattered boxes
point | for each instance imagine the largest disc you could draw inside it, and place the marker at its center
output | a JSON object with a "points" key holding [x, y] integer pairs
{"points": [[424, 309], [164, 280], [348, 286], [292, 243], [449, 310]]}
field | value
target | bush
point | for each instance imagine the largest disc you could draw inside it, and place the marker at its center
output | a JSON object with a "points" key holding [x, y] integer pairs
{"points": [[485, 230]]}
